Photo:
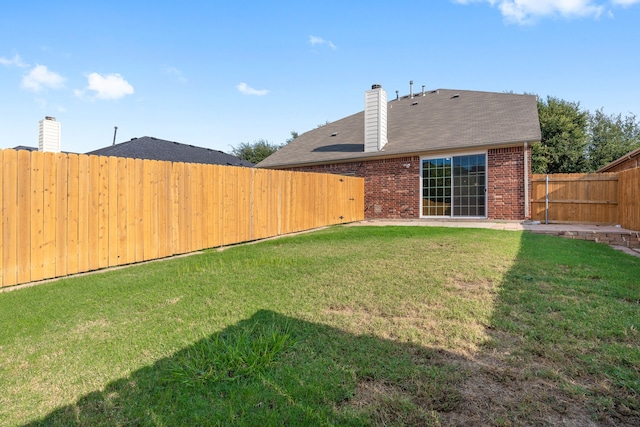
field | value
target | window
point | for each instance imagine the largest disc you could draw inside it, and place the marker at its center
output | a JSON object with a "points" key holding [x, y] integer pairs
{"points": [[454, 186]]}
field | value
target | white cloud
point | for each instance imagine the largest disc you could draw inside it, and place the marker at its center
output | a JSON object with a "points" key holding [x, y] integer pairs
{"points": [[529, 11], [319, 41], [109, 86], [40, 78], [246, 90], [177, 73], [16, 61]]}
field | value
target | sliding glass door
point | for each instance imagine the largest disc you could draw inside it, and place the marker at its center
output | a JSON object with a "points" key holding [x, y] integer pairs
{"points": [[454, 186]]}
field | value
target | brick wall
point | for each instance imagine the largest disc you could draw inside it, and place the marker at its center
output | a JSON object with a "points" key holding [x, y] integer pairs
{"points": [[391, 189], [392, 186], [505, 186]]}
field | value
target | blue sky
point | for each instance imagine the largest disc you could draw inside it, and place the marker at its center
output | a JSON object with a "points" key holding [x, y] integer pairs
{"points": [[215, 74]]}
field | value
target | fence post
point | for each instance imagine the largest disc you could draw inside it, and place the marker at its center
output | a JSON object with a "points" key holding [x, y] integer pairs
{"points": [[546, 199]]}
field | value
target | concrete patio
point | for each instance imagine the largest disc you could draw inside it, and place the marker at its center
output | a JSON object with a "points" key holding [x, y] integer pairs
{"points": [[613, 235]]}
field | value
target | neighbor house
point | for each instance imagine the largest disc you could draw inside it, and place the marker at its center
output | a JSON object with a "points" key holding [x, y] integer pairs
{"points": [[152, 148], [628, 161], [431, 154]]}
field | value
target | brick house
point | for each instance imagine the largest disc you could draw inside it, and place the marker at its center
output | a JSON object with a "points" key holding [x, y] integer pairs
{"points": [[435, 154]]}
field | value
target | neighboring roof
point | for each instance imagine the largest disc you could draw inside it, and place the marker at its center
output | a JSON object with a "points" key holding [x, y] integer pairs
{"points": [[152, 148], [635, 153], [24, 147], [442, 119]]}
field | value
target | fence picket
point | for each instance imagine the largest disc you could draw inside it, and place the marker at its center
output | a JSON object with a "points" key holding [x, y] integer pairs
{"points": [[50, 214], [10, 219], [37, 216], [83, 213], [61, 215], [69, 213], [73, 182], [23, 242]]}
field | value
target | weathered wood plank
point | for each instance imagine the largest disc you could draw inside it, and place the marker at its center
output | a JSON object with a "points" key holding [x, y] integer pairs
{"points": [[37, 216], [24, 217], [73, 182], [83, 213], [9, 218], [62, 214], [50, 214]]}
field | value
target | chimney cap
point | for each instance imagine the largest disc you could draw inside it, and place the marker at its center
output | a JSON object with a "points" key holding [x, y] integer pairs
{"points": [[376, 86], [50, 118]]}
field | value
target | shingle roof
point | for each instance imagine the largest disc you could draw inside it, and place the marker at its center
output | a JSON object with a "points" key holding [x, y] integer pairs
{"points": [[24, 147], [27, 148], [442, 119], [159, 149]]}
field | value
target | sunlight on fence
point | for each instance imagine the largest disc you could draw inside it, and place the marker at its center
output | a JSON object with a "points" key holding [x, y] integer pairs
{"points": [[66, 213]]}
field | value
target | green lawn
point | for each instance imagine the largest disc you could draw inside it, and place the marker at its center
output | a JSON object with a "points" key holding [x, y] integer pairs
{"points": [[343, 326]]}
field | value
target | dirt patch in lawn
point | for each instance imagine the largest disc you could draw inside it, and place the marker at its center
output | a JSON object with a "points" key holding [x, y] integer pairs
{"points": [[496, 393], [492, 388]]}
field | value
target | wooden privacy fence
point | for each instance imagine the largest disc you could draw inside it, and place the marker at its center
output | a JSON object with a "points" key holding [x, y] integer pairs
{"points": [[599, 198], [591, 198], [629, 193], [66, 213]]}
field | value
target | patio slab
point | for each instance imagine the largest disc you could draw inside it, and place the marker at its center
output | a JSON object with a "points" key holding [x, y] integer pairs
{"points": [[612, 235]]}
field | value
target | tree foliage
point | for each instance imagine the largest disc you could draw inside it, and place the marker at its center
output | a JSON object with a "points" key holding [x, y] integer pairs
{"points": [[562, 148], [259, 150], [255, 152], [294, 135], [611, 137], [574, 140]]}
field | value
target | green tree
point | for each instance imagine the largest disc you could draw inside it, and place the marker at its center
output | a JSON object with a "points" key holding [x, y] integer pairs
{"points": [[611, 137], [255, 152], [564, 137], [294, 135]]}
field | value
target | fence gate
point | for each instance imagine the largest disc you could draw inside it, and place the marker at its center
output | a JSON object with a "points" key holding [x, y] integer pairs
{"points": [[585, 198]]}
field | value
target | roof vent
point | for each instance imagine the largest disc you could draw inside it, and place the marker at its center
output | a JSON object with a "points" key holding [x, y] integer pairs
{"points": [[411, 89], [415, 103], [334, 134], [457, 95]]}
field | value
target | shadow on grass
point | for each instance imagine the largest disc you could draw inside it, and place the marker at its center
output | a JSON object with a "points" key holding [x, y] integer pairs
{"points": [[275, 370], [564, 338], [561, 349]]}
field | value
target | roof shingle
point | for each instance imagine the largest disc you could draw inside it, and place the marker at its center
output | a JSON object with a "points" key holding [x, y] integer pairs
{"points": [[159, 149], [442, 119]]}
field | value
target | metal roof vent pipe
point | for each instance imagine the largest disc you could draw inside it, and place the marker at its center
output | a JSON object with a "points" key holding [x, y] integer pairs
{"points": [[49, 135], [422, 90], [375, 119], [411, 89]]}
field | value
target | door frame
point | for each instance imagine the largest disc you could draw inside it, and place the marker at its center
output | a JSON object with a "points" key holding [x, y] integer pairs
{"points": [[451, 156]]}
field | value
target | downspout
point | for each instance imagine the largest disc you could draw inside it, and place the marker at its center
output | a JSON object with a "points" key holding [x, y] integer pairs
{"points": [[526, 182]]}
